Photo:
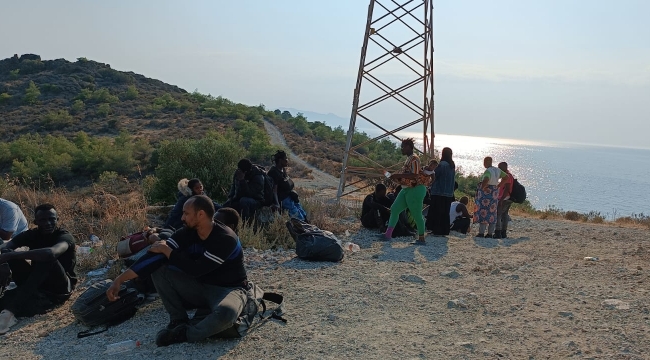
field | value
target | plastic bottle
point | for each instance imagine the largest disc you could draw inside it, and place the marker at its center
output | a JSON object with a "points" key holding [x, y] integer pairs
{"points": [[591, 258], [351, 246], [84, 250], [121, 347]]}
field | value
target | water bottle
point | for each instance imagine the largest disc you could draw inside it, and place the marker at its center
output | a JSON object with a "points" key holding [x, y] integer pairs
{"points": [[351, 247], [121, 347], [591, 258]]}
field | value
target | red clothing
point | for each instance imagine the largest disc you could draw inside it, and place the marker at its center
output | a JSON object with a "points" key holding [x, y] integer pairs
{"points": [[502, 188]]}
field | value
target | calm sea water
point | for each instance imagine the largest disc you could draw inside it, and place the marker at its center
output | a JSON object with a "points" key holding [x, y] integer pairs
{"points": [[613, 181]]}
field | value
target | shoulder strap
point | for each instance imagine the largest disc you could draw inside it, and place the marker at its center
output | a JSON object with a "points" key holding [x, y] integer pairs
{"points": [[278, 311]]}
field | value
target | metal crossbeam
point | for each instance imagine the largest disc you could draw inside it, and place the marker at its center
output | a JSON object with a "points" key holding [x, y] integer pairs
{"points": [[398, 40]]}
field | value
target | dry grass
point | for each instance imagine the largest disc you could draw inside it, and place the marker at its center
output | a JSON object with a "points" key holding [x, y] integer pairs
{"points": [[87, 211]]}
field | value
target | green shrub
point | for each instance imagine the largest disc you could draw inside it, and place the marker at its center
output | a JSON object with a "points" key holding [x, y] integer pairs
{"points": [[131, 93], [31, 94], [51, 88], [77, 107], [104, 96], [14, 74], [5, 98], [31, 66], [57, 119], [212, 159], [103, 110]]}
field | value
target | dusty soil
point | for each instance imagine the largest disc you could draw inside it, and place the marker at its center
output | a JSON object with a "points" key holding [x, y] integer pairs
{"points": [[532, 296]]}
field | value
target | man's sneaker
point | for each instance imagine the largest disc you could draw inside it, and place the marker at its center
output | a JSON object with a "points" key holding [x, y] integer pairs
{"points": [[7, 320], [176, 335]]}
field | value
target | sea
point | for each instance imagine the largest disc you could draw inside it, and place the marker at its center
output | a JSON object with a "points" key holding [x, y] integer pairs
{"points": [[613, 181]]}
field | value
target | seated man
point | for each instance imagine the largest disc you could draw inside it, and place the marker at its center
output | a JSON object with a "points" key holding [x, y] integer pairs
{"points": [[247, 191], [200, 266], [12, 220], [50, 274], [229, 217], [283, 187], [375, 210], [460, 218]]}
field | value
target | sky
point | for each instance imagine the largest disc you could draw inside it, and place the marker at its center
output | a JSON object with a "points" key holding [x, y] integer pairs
{"points": [[551, 70]]}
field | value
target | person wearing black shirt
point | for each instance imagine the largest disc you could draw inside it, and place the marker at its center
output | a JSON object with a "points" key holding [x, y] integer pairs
{"points": [[49, 278], [199, 266], [375, 210], [283, 187], [246, 193]]}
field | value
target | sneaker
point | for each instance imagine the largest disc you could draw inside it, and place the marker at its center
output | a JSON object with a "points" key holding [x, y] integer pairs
{"points": [[480, 235], [176, 335], [7, 320], [497, 234]]}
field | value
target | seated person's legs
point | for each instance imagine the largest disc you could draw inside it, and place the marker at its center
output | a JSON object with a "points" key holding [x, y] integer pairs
{"points": [[461, 224], [294, 209], [247, 207]]}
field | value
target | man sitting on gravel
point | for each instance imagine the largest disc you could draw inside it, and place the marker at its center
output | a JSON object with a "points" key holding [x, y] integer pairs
{"points": [[200, 267], [375, 209], [48, 279]]}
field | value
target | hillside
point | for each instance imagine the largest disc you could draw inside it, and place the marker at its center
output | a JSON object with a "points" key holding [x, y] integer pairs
{"points": [[60, 97]]}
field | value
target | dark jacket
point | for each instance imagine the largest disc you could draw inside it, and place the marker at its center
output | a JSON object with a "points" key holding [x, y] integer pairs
{"points": [[251, 187]]}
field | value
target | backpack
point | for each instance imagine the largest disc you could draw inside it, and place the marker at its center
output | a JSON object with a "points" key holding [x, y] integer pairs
{"points": [[518, 193], [269, 198], [313, 243], [92, 308], [255, 308]]}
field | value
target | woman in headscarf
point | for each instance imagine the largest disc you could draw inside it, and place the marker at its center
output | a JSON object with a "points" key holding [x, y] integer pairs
{"points": [[285, 197]]}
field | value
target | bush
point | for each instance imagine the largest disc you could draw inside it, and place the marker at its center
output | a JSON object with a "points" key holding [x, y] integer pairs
{"points": [[5, 98], [212, 159], [131, 93], [51, 88], [104, 96], [103, 110], [572, 215], [14, 74], [31, 94], [77, 107], [58, 119]]}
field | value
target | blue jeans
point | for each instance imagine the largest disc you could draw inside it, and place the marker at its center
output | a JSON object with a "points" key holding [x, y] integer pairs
{"points": [[294, 209], [180, 292]]}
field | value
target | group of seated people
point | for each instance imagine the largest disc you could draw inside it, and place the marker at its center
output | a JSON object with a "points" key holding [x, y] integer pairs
{"points": [[200, 266], [375, 213], [247, 192]]}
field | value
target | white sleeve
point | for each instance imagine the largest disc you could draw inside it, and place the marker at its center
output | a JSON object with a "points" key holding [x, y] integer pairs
{"points": [[9, 221]]}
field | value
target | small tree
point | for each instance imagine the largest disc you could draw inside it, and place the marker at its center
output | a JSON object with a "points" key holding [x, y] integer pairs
{"points": [[31, 94], [5, 98], [103, 110], [78, 106], [14, 74], [131, 93]]}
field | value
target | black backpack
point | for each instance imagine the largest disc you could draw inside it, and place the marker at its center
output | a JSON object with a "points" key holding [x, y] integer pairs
{"points": [[255, 309], [518, 193], [313, 243], [269, 199], [92, 308]]}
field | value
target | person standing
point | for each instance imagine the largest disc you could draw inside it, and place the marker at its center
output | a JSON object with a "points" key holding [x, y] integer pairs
{"points": [[505, 188], [442, 194], [12, 220], [48, 278], [412, 195], [487, 197]]}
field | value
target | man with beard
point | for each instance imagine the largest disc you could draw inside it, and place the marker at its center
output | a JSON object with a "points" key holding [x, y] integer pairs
{"points": [[201, 266], [48, 278]]}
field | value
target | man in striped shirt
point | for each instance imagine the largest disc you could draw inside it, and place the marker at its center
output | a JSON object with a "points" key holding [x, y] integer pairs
{"points": [[201, 266]]}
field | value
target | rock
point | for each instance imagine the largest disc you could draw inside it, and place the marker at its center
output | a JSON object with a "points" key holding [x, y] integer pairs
{"points": [[450, 274], [512, 277], [612, 304], [332, 317], [413, 278], [566, 314], [558, 233], [466, 344], [457, 304]]}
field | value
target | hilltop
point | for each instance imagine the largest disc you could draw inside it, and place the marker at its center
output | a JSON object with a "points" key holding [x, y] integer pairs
{"points": [[60, 97]]}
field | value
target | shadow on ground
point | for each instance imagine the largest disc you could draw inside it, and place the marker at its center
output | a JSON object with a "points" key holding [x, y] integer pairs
{"points": [[492, 243]]}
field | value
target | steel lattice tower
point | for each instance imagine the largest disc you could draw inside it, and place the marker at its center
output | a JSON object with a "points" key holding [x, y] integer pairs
{"points": [[396, 73]]}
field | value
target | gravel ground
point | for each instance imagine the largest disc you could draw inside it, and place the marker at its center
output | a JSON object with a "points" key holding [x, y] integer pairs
{"points": [[459, 297]]}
